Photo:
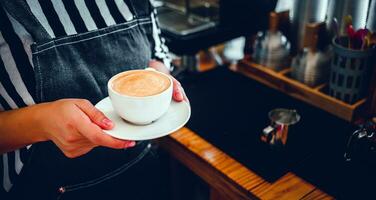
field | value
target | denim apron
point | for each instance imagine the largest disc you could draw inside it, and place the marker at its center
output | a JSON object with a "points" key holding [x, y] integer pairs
{"points": [[79, 66]]}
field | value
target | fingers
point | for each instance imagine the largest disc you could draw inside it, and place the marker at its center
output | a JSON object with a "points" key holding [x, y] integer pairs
{"points": [[94, 114], [184, 95], [178, 91], [177, 94], [159, 66], [96, 135], [93, 131]]}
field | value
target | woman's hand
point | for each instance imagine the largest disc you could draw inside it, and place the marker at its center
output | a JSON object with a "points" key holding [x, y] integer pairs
{"points": [[178, 91], [75, 126]]}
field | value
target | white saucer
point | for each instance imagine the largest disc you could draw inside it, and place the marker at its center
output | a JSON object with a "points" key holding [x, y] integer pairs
{"points": [[176, 117]]}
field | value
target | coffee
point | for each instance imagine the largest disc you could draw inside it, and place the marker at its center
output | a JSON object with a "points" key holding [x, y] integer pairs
{"points": [[140, 96], [141, 83]]}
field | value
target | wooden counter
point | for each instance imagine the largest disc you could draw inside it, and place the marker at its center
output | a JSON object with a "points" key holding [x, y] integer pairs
{"points": [[227, 178]]}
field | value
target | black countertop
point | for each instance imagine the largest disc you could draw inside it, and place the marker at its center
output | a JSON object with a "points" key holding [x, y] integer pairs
{"points": [[230, 111], [192, 43]]}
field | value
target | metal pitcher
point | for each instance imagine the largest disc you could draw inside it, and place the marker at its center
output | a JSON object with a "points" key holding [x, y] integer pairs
{"points": [[311, 65], [277, 132], [304, 12], [271, 47]]}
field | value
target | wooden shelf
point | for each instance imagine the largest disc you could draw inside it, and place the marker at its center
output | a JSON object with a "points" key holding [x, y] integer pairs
{"points": [[315, 96]]}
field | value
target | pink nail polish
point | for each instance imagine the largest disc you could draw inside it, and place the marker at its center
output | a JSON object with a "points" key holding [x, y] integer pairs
{"points": [[180, 96], [132, 144], [107, 122]]}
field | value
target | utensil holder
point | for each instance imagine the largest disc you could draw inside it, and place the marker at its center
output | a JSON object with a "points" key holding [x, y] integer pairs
{"points": [[350, 71]]}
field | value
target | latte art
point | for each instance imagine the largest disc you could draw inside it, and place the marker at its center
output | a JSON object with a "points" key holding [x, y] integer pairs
{"points": [[141, 83]]}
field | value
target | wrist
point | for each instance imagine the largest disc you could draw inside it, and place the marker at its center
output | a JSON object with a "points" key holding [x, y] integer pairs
{"points": [[38, 120], [21, 127]]}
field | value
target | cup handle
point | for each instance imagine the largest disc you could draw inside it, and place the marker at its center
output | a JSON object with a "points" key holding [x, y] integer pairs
{"points": [[266, 134]]}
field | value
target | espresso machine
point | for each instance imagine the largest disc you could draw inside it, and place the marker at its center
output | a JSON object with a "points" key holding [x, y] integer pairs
{"points": [[183, 17], [190, 26]]}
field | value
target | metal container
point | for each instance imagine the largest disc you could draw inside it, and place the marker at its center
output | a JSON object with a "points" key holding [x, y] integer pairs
{"points": [[281, 121], [272, 50], [311, 67], [271, 47], [350, 71], [304, 12], [338, 9]]}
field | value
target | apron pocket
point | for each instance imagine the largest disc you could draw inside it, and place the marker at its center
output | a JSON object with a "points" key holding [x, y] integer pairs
{"points": [[79, 66]]}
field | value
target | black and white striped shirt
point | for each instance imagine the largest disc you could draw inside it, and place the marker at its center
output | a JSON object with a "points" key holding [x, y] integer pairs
{"points": [[59, 18]]}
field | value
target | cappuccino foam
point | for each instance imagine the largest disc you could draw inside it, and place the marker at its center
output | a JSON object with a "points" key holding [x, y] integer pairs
{"points": [[141, 83]]}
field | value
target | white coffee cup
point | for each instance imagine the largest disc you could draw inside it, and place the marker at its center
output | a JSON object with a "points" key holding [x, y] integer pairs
{"points": [[140, 110]]}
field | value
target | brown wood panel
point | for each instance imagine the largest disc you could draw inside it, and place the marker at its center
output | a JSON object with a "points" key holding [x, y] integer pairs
{"points": [[212, 165], [228, 178], [217, 195], [287, 187], [317, 195]]}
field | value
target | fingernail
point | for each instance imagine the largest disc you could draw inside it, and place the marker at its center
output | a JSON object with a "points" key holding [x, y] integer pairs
{"points": [[131, 144], [179, 96], [107, 122]]}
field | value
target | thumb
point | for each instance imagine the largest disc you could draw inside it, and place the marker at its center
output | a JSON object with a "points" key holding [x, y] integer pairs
{"points": [[95, 115]]}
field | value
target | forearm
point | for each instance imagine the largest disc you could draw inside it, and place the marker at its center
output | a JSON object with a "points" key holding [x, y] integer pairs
{"points": [[20, 127]]}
